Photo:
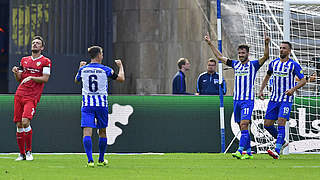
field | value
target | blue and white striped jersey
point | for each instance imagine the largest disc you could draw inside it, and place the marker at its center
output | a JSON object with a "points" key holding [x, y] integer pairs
{"points": [[283, 78], [94, 77], [245, 75]]}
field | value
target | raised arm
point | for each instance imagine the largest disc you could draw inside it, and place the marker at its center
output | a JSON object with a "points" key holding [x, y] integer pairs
{"points": [[121, 76], [264, 84], [215, 51], [16, 73], [82, 63], [266, 50]]}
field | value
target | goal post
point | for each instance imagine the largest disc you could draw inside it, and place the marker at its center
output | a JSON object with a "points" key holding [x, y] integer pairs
{"points": [[296, 21], [286, 14], [286, 33]]}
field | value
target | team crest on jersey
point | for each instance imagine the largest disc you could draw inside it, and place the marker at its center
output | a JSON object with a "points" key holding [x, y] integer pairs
{"points": [[38, 63]]}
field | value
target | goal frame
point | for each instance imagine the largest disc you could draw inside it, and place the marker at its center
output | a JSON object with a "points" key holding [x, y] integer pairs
{"points": [[286, 36]]}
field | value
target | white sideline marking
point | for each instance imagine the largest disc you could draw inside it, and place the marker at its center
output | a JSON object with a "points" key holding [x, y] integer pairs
{"points": [[84, 154], [306, 166]]}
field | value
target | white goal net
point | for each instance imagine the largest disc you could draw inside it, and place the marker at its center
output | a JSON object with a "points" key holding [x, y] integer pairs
{"points": [[267, 16]]}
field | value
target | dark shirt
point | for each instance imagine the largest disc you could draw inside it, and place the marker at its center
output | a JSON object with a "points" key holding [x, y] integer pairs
{"points": [[179, 83], [208, 84]]}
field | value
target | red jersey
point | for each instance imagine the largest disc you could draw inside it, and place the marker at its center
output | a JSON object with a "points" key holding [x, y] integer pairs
{"points": [[32, 67]]}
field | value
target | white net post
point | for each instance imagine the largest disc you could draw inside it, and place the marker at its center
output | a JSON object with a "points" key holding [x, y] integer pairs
{"points": [[301, 26], [309, 35]]}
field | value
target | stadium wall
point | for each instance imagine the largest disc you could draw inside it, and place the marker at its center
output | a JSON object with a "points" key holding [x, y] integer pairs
{"points": [[136, 124], [68, 27], [149, 36]]}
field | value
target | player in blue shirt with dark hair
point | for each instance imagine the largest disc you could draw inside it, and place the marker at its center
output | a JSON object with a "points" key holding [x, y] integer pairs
{"points": [[208, 82], [284, 70], [94, 111], [245, 71], [179, 82]]}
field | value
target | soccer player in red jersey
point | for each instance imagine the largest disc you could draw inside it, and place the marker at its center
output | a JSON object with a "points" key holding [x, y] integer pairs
{"points": [[33, 72]]}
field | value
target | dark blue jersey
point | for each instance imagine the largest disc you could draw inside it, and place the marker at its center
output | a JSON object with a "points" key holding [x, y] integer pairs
{"points": [[179, 83], [208, 84]]}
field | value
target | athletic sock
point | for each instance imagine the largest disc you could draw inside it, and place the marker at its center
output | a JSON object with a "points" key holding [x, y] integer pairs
{"points": [[243, 140], [21, 142], [87, 144], [248, 143], [272, 130], [280, 138], [102, 148], [28, 138]]}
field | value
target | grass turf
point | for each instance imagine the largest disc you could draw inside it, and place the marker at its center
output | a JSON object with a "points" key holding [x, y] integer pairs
{"points": [[167, 166]]}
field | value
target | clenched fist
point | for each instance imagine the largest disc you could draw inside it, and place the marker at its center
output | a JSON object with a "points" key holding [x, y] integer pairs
{"points": [[82, 63], [118, 62]]}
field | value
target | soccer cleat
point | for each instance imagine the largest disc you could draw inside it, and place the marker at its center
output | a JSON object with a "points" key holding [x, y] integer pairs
{"points": [[102, 163], [284, 145], [90, 164], [21, 157], [247, 156], [237, 155], [273, 154], [29, 156]]}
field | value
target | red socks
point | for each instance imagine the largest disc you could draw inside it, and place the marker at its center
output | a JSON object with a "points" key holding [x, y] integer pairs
{"points": [[21, 142], [24, 139], [28, 140]]}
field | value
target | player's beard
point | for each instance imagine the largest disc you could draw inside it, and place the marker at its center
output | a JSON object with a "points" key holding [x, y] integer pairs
{"points": [[282, 56], [244, 59], [35, 51]]}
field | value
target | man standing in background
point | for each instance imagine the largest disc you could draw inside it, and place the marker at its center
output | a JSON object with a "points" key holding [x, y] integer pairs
{"points": [[179, 82], [208, 82]]}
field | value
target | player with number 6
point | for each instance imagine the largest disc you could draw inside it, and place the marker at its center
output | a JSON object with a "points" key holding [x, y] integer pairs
{"points": [[94, 112]]}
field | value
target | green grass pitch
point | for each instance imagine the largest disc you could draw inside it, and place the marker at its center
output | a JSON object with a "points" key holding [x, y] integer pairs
{"points": [[168, 166]]}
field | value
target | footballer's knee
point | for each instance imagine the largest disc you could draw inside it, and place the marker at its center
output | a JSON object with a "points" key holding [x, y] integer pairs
{"points": [[244, 124], [282, 121], [268, 123], [19, 124], [102, 132], [87, 131], [25, 122]]}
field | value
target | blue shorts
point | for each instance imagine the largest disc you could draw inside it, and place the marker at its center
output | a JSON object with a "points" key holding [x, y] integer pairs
{"points": [[278, 109], [242, 110], [89, 114]]}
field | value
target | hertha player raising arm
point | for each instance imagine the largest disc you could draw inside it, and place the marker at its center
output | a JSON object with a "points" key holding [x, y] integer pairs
{"points": [[33, 73], [243, 95], [284, 70], [94, 78]]}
